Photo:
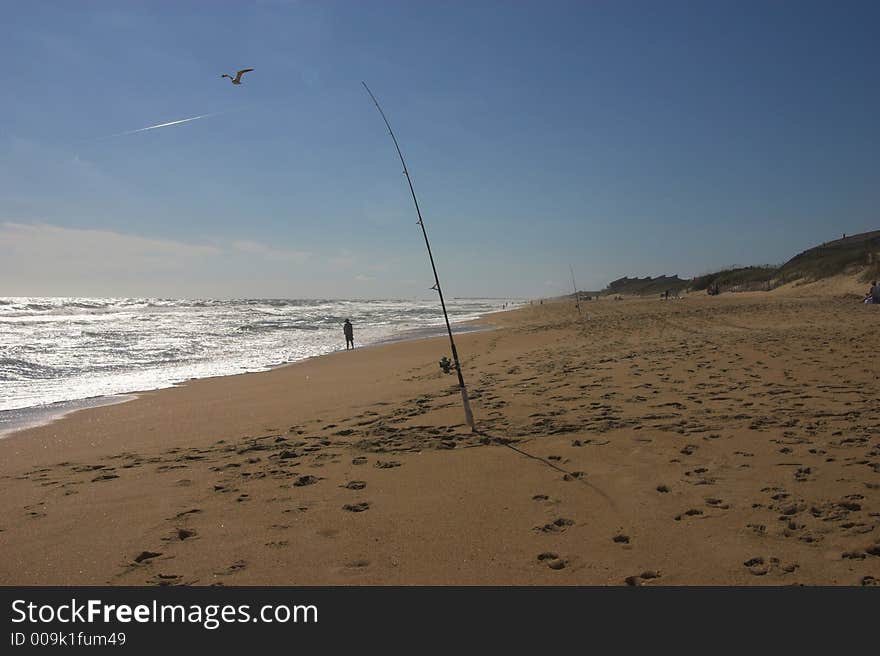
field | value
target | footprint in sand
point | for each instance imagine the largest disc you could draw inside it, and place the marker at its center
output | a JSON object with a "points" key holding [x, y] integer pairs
{"points": [[387, 464], [35, 514], [357, 507], [183, 514], [803, 474], [237, 566], [663, 489], [620, 538], [146, 555], [693, 512], [180, 534], [757, 566], [306, 480], [574, 476], [557, 526], [355, 485], [298, 509], [359, 461], [552, 560], [644, 576]]}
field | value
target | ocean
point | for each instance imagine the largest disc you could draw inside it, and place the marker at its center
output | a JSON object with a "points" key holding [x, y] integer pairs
{"points": [[61, 354]]}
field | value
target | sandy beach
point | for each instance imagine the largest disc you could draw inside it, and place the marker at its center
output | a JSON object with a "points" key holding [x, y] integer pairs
{"points": [[704, 441]]}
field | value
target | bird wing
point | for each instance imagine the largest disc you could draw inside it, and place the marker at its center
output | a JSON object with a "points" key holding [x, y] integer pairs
{"points": [[242, 72]]}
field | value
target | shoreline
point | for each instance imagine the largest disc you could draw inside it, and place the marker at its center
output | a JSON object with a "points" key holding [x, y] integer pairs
{"points": [[19, 419]]}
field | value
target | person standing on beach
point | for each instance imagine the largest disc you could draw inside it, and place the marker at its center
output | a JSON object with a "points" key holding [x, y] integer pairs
{"points": [[348, 329]]}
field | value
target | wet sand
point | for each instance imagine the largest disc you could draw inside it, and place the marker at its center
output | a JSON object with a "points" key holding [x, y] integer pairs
{"points": [[712, 440]]}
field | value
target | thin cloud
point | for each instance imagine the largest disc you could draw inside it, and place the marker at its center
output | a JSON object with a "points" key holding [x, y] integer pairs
{"points": [[83, 243], [43, 259]]}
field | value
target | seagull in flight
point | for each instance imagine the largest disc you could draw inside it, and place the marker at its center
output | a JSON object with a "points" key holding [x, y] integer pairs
{"points": [[237, 78]]}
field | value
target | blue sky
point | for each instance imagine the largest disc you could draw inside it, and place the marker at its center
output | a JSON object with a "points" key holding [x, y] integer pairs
{"points": [[619, 137]]}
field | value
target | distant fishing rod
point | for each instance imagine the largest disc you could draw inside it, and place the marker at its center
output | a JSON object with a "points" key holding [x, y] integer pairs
{"points": [[577, 296], [468, 415]]}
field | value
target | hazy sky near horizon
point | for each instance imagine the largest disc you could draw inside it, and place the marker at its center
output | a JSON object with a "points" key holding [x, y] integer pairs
{"points": [[621, 138]]}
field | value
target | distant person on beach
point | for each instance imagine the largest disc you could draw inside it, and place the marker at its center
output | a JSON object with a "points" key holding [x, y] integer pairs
{"points": [[873, 295], [348, 329]]}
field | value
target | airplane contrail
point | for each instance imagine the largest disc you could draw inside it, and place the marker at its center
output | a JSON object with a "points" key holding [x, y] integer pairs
{"points": [[165, 125], [159, 125]]}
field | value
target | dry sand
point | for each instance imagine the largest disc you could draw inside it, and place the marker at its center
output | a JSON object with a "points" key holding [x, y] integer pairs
{"points": [[712, 440]]}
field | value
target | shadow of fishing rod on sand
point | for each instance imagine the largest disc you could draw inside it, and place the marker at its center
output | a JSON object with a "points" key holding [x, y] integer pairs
{"points": [[569, 476]]}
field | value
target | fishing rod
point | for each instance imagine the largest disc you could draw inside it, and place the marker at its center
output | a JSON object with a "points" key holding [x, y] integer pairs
{"points": [[577, 296], [468, 415]]}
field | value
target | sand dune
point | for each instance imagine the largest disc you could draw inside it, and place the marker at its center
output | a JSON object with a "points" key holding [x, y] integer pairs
{"points": [[712, 440], [840, 285]]}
